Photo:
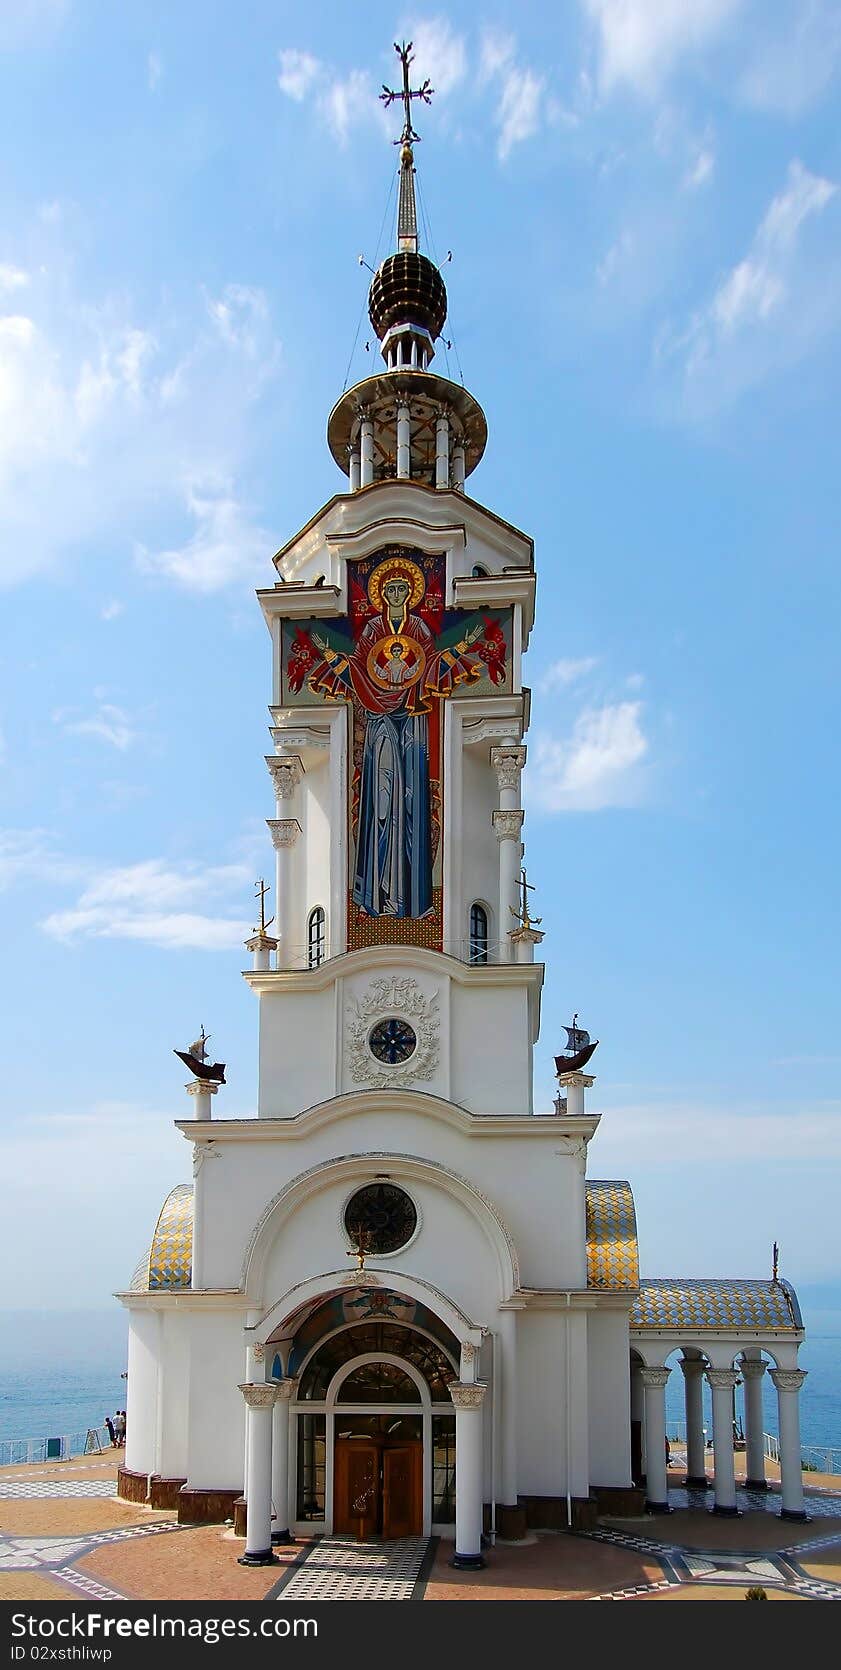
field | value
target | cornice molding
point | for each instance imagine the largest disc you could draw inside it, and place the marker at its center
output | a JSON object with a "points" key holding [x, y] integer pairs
{"points": [[525, 1127]]}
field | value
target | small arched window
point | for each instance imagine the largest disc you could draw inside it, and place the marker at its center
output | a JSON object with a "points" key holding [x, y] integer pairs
{"points": [[316, 936], [479, 573], [478, 934]]}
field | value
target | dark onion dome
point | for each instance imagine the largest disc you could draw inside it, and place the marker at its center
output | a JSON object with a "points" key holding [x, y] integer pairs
{"points": [[407, 289]]}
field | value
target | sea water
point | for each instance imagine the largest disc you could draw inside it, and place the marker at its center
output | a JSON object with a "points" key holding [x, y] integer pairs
{"points": [[53, 1398]]}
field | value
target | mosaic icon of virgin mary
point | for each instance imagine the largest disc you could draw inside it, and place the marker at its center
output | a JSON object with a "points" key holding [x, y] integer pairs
{"points": [[395, 671]]}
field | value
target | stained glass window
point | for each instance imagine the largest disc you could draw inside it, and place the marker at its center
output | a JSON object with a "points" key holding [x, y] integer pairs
{"points": [[392, 1041], [424, 1354], [384, 1216]]}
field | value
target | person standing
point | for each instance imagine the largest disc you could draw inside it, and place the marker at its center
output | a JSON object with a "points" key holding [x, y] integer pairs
{"points": [[111, 1433]]}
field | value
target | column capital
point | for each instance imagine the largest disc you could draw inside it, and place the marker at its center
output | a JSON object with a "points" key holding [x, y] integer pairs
{"points": [[788, 1379], [287, 1390], [508, 761], [691, 1366], [284, 831], [752, 1368], [722, 1379], [654, 1377], [468, 1397], [507, 825], [259, 1394], [587, 1080], [201, 1087], [286, 771]]}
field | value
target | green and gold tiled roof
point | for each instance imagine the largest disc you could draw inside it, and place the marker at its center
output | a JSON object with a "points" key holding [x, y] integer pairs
{"points": [[168, 1265], [716, 1304], [612, 1256]]}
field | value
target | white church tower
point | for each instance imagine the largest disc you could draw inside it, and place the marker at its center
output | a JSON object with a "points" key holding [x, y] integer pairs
{"points": [[392, 1303]]}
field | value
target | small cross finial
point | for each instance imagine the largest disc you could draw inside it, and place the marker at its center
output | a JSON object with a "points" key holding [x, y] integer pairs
{"points": [[363, 1237], [389, 96], [522, 914], [261, 888]]}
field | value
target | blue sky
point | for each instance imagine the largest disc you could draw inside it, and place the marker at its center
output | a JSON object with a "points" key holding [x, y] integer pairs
{"points": [[642, 203]]}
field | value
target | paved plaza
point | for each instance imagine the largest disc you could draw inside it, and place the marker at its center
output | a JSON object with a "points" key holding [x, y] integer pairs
{"points": [[64, 1534]]}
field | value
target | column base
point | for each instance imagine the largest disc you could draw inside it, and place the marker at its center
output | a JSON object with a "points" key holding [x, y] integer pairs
{"points": [[755, 1484], [282, 1537], [726, 1512], [700, 1483], [264, 1557], [657, 1507], [468, 1562], [799, 1517]]}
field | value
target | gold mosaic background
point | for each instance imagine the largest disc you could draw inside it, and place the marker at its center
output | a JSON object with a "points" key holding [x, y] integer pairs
{"points": [[612, 1253]]}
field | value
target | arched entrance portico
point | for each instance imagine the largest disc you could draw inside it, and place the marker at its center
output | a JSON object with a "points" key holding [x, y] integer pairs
{"points": [[378, 1417], [374, 1436]]}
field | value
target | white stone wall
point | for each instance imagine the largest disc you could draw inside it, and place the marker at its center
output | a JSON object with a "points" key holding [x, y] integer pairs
{"points": [[609, 1397]]}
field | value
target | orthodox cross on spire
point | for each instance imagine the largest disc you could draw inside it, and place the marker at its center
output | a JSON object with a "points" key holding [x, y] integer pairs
{"points": [[389, 96], [260, 891], [524, 920], [407, 215]]}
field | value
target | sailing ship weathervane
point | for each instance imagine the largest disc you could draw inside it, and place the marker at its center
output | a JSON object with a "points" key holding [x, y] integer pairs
{"points": [[196, 1059], [578, 1049]]}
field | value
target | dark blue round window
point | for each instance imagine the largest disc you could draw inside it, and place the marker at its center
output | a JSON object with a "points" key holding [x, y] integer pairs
{"points": [[392, 1041]]}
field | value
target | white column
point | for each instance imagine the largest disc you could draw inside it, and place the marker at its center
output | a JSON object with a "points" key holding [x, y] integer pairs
{"points": [[458, 466], [355, 468], [259, 1397], [524, 941], [508, 759], [575, 1085], [286, 1391], [656, 1487], [692, 1369], [404, 462], [752, 1370], [505, 1388], [284, 833], [788, 1382], [201, 1091], [366, 452], [722, 1381], [442, 450], [469, 1451]]}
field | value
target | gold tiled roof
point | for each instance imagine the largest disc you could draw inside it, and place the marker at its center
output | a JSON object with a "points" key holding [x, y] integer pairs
{"points": [[168, 1265], [612, 1256], [716, 1304]]}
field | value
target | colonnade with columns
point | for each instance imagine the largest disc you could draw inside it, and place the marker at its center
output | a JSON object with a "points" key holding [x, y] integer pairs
{"points": [[648, 1398], [449, 471]]}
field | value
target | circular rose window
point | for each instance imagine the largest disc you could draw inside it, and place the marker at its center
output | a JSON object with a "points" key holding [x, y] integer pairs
{"points": [[382, 1216], [392, 1041]]}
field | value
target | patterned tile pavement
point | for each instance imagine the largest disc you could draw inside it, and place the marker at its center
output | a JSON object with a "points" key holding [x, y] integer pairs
{"points": [[339, 1568], [31, 1490]]}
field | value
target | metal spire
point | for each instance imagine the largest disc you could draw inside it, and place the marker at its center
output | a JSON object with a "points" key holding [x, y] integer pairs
{"points": [[407, 215]]}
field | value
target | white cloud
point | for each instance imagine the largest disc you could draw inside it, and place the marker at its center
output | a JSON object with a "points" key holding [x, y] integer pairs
{"points": [[519, 109], [30, 855], [12, 278], [439, 55], [642, 41], [112, 609], [792, 65], [225, 549], [103, 417], [298, 73], [565, 672], [241, 315], [497, 51], [727, 346], [594, 767], [349, 101], [154, 71], [616, 259], [701, 171], [151, 901], [109, 724]]}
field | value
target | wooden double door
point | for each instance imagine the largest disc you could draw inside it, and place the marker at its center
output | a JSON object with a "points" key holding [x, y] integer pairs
{"points": [[378, 1487]]}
